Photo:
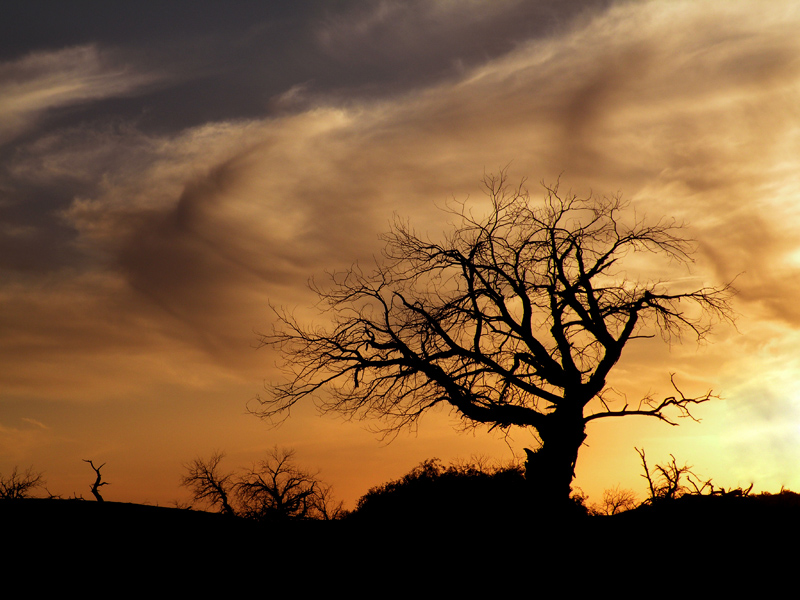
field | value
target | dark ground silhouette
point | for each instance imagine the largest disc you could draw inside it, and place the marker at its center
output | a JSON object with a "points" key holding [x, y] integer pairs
{"points": [[439, 529]]}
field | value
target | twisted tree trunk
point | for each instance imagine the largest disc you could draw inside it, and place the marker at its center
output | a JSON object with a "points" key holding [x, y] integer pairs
{"points": [[549, 470]]}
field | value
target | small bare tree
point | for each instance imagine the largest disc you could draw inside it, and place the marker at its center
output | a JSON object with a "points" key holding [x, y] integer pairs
{"points": [[98, 482], [277, 489], [615, 501], [208, 484], [20, 485], [327, 508], [274, 489]]}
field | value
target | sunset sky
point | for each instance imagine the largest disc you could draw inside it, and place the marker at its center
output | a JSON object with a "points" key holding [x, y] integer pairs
{"points": [[170, 169]]}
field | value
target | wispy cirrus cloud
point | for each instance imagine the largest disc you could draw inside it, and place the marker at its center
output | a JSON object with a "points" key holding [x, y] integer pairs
{"points": [[42, 81], [203, 226]]}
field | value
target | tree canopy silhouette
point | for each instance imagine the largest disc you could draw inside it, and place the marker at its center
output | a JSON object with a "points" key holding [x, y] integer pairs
{"points": [[516, 319]]}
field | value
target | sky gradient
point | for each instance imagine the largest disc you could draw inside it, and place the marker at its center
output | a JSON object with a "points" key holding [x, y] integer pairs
{"points": [[166, 173]]}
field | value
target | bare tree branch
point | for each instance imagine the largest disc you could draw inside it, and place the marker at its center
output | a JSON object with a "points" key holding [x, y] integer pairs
{"points": [[649, 407]]}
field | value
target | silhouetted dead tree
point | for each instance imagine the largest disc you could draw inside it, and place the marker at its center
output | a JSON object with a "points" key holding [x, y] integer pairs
{"points": [[98, 482], [208, 484], [20, 485], [514, 320]]}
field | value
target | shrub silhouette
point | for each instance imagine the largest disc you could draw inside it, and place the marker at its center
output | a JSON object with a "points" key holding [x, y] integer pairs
{"points": [[457, 493]]}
